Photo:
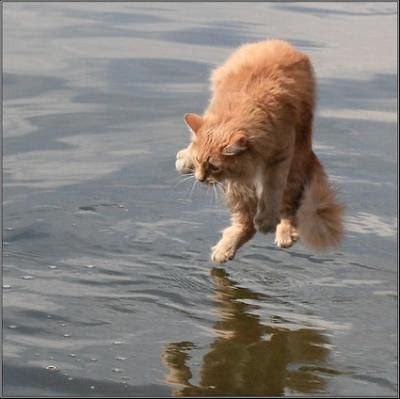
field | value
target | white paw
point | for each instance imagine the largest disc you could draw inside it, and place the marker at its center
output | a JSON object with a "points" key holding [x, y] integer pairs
{"points": [[222, 252], [285, 236], [184, 162]]}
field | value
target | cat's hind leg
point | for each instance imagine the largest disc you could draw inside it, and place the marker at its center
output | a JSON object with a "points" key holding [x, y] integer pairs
{"points": [[273, 185], [286, 233], [272, 178]]}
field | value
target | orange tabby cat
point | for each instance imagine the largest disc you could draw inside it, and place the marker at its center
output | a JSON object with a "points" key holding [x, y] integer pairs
{"points": [[255, 138]]}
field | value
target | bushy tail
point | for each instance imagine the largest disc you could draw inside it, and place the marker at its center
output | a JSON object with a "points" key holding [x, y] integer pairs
{"points": [[320, 215]]}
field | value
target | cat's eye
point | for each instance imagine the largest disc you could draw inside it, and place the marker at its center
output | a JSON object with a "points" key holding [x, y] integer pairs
{"points": [[213, 168]]}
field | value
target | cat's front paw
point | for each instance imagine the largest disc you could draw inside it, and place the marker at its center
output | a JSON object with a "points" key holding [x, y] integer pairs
{"points": [[286, 235], [266, 222], [222, 252], [184, 163]]}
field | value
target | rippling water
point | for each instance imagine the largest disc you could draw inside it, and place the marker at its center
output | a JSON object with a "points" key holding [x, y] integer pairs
{"points": [[107, 284]]}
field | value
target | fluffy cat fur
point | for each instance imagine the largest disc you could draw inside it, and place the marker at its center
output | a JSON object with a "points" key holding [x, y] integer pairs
{"points": [[255, 140]]}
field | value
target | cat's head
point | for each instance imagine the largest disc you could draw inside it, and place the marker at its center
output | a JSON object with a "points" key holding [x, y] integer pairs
{"points": [[218, 151]]}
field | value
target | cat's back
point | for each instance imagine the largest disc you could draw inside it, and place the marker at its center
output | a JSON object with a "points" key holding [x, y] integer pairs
{"points": [[266, 58]]}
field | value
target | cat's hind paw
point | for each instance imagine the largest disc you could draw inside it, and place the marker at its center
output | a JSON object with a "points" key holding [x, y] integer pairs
{"points": [[286, 235], [222, 252]]}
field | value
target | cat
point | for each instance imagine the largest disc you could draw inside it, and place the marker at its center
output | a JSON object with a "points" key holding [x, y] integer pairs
{"points": [[255, 140]]}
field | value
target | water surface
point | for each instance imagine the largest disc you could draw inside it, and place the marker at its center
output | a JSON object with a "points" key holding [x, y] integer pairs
{"points": [[107, 284]]}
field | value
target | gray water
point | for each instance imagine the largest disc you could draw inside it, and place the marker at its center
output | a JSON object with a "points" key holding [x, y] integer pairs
{"points": [[107, 284]]}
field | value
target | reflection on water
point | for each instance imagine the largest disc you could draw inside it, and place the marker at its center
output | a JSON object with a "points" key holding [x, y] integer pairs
{"points": [[248, 357]]}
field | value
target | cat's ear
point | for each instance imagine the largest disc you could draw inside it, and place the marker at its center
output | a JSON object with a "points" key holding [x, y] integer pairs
{"points": [[194, 122], [237, 144]]}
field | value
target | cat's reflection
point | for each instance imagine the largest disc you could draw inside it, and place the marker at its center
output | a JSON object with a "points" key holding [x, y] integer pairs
{"points": [[247, 357]]}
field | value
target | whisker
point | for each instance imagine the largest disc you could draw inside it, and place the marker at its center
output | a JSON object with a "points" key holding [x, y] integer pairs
{"points": [[216, 191], [184, 179], [208, 190], [221, 187], [180, 175], [215, 195], [177, 177], [193, 187]]}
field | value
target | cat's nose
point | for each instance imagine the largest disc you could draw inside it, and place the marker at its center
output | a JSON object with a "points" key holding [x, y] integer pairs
{"points": [[200, 176]]}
